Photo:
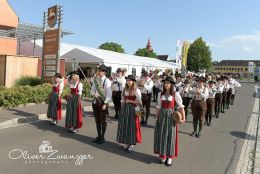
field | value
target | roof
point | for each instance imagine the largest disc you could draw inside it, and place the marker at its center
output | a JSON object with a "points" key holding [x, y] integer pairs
{"points": [[85, 54], [163, 57], [27, 32], [237, 62]]}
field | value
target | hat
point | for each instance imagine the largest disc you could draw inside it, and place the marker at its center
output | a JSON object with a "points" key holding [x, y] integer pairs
{"points": [[145, 73], [74, 73], [202, 79], [169, 79], [178, 75], [119, 70], [102, 67], [130, 77], [211, 81], [225, 77], [219, 79], [58, 75], [186, 81]]}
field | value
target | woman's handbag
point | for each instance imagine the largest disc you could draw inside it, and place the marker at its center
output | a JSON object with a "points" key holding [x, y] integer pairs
{"points": [[139, 111], [177, 117]]}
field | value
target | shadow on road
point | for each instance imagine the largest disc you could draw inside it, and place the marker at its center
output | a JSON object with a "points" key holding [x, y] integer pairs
{"points": [[242, 135], [107, 146], [181, 132]]}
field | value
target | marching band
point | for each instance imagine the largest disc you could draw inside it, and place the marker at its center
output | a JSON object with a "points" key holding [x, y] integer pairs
{"points": [[206, 96]]}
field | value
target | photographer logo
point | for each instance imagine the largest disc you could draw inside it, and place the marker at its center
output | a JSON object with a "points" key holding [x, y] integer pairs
{"points": [[47, 155]]}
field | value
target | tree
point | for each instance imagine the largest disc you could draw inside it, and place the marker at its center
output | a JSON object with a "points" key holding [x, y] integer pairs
{"points": [[112, 47], [199, 56], [144, 52]]}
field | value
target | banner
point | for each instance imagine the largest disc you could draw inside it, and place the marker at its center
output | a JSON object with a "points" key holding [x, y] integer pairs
{"points": [[185, 49]]}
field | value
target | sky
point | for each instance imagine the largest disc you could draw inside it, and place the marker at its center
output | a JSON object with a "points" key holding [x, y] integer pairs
{"points": [[230, 27]]}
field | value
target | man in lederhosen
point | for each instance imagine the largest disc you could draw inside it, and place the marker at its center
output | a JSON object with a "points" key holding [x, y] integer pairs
{"points": [[198, 106], [102, 94], [210, 102], [117, 87], [218, 96], [185, 94], [224, 94], [146, 87], [178, 82], [233, 84]]}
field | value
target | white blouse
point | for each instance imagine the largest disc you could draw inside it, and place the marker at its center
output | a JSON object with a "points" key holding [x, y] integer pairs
{"points": [[137, 94], [60, 87], [178, 100], [80, 87]]}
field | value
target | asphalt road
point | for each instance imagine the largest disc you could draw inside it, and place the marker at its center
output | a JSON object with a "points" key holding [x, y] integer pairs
{"points": [[216, 152]]}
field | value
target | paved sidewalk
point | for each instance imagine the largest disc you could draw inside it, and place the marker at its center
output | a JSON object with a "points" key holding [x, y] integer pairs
{"points": [[257, 144], [33, 112], [249, 160]]}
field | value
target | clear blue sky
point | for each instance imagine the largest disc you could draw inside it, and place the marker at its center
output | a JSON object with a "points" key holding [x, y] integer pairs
{"points": [[230, 27]]}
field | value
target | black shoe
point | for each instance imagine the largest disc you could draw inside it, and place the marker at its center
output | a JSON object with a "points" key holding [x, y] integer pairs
{"points": [[193, 134], [208, 124], [101, 141], [96, 140], [216, 116], [142, 122], [223, 111], [205, 123], [116, 116], [198, 135], [145, 123], [126, 148]]}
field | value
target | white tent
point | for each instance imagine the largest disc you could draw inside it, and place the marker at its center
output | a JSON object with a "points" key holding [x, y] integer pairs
{"points": [[88, 55]]}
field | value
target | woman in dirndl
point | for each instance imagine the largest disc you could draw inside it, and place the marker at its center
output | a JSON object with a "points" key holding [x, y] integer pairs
{"points": [[166, 130], [74, 105], [129, 131], [54, 106]]}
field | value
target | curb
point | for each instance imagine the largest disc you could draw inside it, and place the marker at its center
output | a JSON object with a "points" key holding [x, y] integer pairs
{"points": [[257, 150], [36, 117]]}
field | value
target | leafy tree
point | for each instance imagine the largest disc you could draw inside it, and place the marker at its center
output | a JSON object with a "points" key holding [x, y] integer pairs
{"points": [[199, 56], [112, 47], [145, 53]]}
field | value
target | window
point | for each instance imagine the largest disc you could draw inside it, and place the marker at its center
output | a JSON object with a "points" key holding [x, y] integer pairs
{"points": [[246, 69]]}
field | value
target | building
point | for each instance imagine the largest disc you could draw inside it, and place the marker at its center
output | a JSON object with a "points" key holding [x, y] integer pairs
{"points": [[13, 64], [240, 67], [89, 58], [8, 26]]}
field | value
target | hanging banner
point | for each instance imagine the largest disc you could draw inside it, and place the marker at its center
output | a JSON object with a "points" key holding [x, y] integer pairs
{"points": [[185, 49]]}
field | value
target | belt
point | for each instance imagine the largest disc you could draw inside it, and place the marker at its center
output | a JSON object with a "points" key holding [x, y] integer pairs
{"points": [[198, 100], [146, 93]]}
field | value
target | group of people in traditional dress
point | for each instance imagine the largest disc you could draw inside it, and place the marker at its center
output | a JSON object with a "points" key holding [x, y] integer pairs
{"points": [[207, 95], [74, 110]]}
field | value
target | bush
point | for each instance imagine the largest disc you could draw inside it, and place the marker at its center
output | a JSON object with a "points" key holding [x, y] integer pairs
{"points": [[22, 95], [31, 81]]}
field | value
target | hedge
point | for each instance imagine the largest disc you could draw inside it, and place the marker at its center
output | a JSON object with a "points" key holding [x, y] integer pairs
{"points": [[31, 81], [22, 95]]}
